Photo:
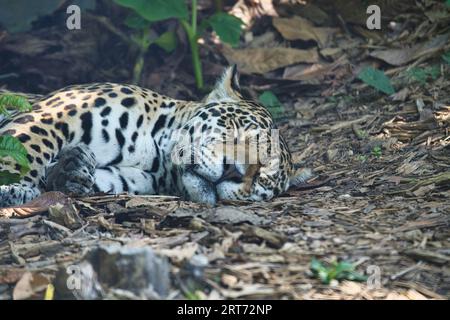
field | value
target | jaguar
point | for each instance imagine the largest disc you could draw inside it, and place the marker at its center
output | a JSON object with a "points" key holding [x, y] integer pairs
{"points": [[115, 138]]}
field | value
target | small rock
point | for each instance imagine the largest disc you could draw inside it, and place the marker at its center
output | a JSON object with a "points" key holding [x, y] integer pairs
{"points": [[106, 268]]}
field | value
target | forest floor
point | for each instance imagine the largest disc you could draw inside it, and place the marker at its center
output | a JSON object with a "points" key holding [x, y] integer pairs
{"points": [[378, 202]]}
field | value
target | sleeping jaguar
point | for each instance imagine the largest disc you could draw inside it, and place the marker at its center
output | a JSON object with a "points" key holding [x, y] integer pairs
{"points": [[115, 138]]}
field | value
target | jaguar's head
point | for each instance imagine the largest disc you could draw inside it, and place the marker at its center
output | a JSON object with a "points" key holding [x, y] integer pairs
{"points": [[231, 150]]}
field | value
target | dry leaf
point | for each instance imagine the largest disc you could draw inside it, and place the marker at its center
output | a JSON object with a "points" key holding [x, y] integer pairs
{"points": [[37, 206], [298, 28], [29, 286], [262, 60], [401, 56]]}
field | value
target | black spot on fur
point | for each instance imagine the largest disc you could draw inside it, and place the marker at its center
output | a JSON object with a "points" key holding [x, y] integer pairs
{"points": [[105, 111], [48, 143], [70, 107], [155, 165], [86, 125], [30, 158], [100, 102], [39, 160], [112, 95], [131, 149], [33, 173], [39, 131], [139, 121], [105, 122], [105, 135], [47, 120], [134, 136], [128, 102], [159, 124], [59, 142], [24, 119], [167, 105], [120, 138], [49, 102], [46, 155], [64, 128], [123, 120], [35, 147], [147, 108], [169, 125], [23, 137], [215, 113], [124, 183], [126, 90], [72, 113], [59, 115], [117, 160]]}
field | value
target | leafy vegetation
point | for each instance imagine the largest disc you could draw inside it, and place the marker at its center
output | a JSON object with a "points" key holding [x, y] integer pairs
{"points": [[271, 102], [376, 151], [226, 26], [421, 75], [377, 79], [13, 101], [336, 271], [11, 149], [143, 41]]}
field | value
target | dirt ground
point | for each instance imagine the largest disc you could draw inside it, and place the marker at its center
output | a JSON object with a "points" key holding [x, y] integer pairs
{"points": [[379, 198]]}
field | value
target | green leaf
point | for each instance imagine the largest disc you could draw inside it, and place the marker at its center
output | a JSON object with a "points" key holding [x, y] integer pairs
{"points": [[376, 79], [157, 10], [447, 3], [227, 27], [422, 74], [167, 41], [136, 22], [271, 102], [13, 148], [7, 177], [8, 101], [339, 271]]}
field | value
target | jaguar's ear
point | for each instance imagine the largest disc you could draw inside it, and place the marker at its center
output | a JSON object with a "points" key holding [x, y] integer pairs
{"points": [[227, 88]]}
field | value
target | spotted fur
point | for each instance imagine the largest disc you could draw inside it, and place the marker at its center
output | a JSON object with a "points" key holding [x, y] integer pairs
{"points": [[131, 134]]}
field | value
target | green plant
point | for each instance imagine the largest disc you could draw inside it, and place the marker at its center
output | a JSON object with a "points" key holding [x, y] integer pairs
{"points": [[192, 295], [377, 79], [11, 149], [271, 102], [423, 74], [11, 101], [143, 39], [337, 270], [226, 26], [361, 158], [376, 151]]}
